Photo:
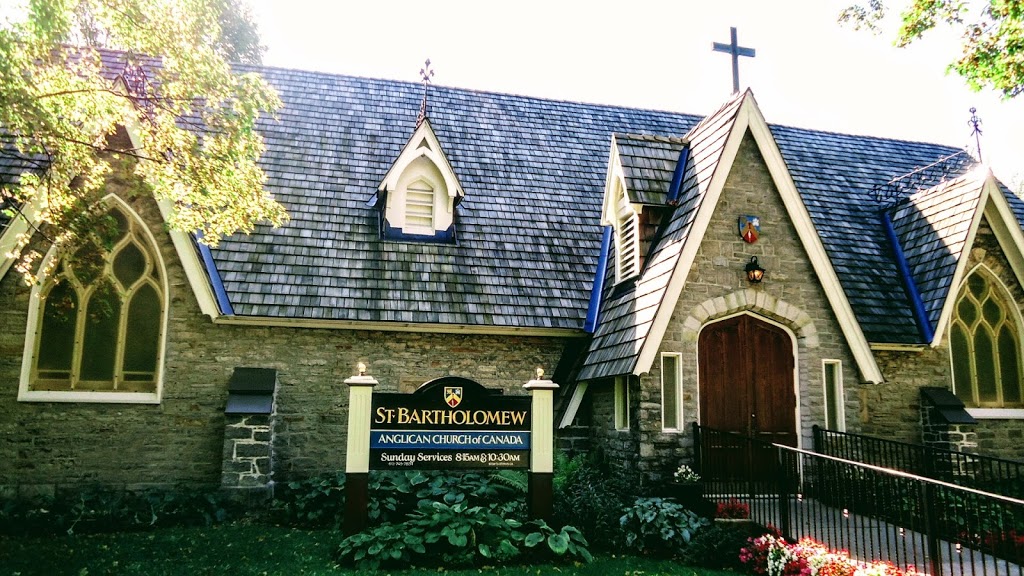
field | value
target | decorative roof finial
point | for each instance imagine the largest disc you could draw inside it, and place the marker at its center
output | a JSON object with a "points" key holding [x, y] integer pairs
{"points": [[425, 75], [975, 124]]}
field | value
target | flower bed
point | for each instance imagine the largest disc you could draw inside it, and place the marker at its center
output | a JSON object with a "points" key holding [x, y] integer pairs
{"points": [[773, 556]]}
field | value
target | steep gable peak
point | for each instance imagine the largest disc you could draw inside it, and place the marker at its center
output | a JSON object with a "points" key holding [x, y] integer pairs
{"points": [[420, 191]]}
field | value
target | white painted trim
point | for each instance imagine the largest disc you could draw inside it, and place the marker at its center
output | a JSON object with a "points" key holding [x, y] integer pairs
{"points": [[881, 347], [679, 391], [1007, 229], [959, 273], [574, 405], [89, 397], [996, 413], [194, 270], [840, 391], [32, 332], [19, 225], [620, 382], [397, 326], [796, 365], [608, 209], [433, 151], [749, 116]]}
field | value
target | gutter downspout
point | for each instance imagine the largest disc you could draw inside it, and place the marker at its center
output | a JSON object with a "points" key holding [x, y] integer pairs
{"points": [[917, 305], [595, 294]]}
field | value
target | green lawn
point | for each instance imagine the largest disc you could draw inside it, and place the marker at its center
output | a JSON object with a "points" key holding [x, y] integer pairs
{"points": [[249, 550]]}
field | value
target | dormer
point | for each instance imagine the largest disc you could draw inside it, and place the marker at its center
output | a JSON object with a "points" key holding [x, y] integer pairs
{"points": [[420, 192], [644, 174]]}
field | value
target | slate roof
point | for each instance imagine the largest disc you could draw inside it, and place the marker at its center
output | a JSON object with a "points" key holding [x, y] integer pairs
{"points": [[932, 227], [648, 163], [627, 313], [533, 171], [839, 178], [528, 229]]}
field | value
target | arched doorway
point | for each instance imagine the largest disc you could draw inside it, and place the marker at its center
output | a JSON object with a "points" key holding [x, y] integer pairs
{"points": [[747, 379]]}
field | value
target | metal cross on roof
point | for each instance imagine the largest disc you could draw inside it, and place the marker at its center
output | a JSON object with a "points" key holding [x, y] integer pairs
{"points": [[425, 75], [734, 48]]}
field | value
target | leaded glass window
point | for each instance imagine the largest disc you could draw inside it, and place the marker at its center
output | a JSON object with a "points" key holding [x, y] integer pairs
{"points": [[100, 318], [985, 345]]}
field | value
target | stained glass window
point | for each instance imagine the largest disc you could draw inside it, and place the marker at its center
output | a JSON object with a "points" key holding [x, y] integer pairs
{"points": [[985, 345], [101, 318]]}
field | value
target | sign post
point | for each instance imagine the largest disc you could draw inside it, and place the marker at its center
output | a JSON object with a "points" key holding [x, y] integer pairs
{"points": [[540, 492], [357, 460], [451, 423]]}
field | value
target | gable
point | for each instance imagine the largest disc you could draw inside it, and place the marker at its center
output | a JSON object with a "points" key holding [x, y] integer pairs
{"points": [[633, 325]]}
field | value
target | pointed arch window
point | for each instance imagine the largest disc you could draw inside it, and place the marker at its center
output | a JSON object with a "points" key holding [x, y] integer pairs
{"points": [[99, 323], [985, 345]]}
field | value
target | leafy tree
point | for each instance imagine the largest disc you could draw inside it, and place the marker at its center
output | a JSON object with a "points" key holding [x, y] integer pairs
{"points": [[193, 118], [992, 36]]}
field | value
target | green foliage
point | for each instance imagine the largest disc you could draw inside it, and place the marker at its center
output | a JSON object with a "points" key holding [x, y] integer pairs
{"points": [[592, 499], [93, 511], [453, 535], [719, 545], [568, 542], [992, 36], [197, 147], [317, 502], [250, 549], [659, 526]]}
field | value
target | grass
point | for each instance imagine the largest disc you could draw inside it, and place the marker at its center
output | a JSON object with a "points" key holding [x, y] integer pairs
{"points": [[241, 550]]}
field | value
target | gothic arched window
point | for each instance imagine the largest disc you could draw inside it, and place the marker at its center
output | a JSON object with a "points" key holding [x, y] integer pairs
{"points": [[99, 322], [985, 344]]}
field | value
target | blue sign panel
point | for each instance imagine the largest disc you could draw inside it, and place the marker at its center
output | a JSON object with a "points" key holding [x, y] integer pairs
{"points": [[449, 440], [450, 423]]}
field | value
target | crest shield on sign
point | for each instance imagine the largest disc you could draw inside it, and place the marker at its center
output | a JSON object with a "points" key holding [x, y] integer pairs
{"points": [[452, 395]]}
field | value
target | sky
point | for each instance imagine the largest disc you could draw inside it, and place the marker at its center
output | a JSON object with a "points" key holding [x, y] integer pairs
{"points": [[808, 72]]}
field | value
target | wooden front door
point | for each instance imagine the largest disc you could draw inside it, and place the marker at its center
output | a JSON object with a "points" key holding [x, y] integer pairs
{"points": [[746, 379]]}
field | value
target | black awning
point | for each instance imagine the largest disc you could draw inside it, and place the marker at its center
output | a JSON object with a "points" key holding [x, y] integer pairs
{"points": [[251, 391]]}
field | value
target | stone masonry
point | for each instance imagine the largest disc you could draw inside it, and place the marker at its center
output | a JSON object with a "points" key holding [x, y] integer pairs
{"points": [[716, 288], [49, 447], [247, 465]]}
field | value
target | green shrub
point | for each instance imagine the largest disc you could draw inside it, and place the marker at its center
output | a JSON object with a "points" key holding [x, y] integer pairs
{"points": [[454, 535], [568, 542], [592, 499], [105, 510], [659, 526], [317, 502], [718, 545]]}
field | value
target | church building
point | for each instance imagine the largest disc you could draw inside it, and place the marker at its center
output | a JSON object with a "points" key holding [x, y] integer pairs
{"points": [[664, 269]]}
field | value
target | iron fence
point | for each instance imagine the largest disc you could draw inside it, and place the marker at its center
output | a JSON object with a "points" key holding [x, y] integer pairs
{"points": [[984, 473], [874, 513]]}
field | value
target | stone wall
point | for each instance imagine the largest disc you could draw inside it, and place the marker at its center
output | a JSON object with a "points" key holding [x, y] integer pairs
{"points": [[716, 287], [891, 409], [52, 446]]}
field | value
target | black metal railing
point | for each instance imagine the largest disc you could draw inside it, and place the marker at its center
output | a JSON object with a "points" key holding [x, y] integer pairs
{"points": [[874, 513], [984, 473]]}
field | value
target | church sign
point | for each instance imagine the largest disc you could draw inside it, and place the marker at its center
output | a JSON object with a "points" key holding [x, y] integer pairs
{"points": [[449, 423]]}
